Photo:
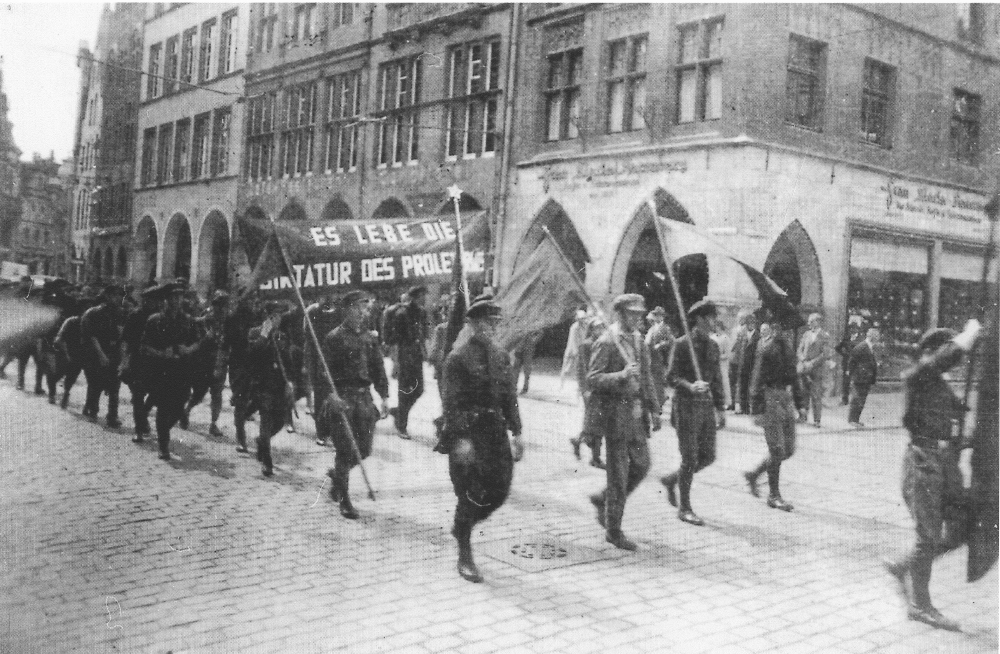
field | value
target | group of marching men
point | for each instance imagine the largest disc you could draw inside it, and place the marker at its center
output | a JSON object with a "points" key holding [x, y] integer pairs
{"points": [[171, 353]]}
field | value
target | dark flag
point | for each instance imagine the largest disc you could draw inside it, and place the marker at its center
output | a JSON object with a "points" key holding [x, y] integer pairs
{"points": [[269, 265]]}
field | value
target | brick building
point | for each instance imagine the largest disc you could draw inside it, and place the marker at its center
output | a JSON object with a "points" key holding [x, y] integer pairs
{"points": [[190, 141], [104, 150], [847, 150]]}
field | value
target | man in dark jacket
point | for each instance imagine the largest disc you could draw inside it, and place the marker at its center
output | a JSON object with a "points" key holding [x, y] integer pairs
{"points": [[410, 332], [863, 370], [101, 331], [272, 386], [132, 370], [932, 481]]}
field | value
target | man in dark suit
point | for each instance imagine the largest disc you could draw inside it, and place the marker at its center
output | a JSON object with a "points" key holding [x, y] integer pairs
{"points": [[863, 370]]}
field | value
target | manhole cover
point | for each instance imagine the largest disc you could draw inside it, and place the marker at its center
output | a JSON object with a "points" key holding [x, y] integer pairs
{"points": [[537, 553]]}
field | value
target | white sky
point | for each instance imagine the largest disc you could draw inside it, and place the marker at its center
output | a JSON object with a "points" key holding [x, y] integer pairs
{"points": [[38, 44]]}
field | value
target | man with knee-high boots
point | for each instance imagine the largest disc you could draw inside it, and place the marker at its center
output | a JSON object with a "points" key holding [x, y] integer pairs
{"points": [[410, 333], [100, 331], [272, 387], [133, 371]]}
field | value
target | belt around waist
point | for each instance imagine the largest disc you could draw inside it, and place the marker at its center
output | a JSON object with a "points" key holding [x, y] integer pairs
{"points": [[353, 390], [929, 443]]}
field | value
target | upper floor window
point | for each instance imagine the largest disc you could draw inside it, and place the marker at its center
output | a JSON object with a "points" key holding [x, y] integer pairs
{"points": [[965, 126], [699, 71], [806, 83], [297, 139], [260, 136], [163, 151], [220, 141], [182, 149], [187, 57], [343, 13], [562, 94], [153, 78], [626, 84], [971, 21], [148, 154], [199, 145], [227, 42], [265, 27], [343, 113], [397, 138], [473, 86], [207, 38], [303, 25], [172, 61], [876, 102]]}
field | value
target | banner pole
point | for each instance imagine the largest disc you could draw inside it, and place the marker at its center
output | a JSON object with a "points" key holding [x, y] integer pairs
{"points": [[456, 194], [319, 354], [677, 292]]}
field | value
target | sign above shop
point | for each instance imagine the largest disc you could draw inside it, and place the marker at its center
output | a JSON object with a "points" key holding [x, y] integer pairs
{"points": [[922, 201], [616, 173]]}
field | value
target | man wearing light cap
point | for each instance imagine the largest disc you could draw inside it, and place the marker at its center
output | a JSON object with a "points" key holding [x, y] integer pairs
{"points": [[624, 397], [480, 407], [932, 481], [698, 406]]}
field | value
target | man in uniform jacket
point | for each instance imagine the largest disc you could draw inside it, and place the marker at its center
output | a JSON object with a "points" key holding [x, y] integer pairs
{"points": [[355, 361], [410, 331], [212, 365], [69, 351], [591, 433], [660, 341], [698, 404], [863, 370], [771, 388], [169, 342], [132, 370], [272, 386], [932, 481], [480, 407], [238, 325], [624, 397], [815, 348], [101, 331]]}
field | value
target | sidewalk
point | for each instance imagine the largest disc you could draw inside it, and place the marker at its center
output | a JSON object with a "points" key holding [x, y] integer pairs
{"points": [[104, 548]]}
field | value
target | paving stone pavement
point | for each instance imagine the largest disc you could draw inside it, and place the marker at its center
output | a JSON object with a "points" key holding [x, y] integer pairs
{"points": [[104, 548]]}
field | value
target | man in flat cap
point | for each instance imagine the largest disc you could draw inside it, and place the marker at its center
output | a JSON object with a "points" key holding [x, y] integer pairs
{"points": [[698, 405], [480, 408], [101, 332], [660, 340], [932, 481], [410, 332], [355, 361], [272, 388], [132, 370], [624, 397], [212, 365]]}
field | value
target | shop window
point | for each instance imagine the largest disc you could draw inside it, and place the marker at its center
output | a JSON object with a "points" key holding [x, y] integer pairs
{"points": [[342, 126], [562, 95], [961, 287], [699, 71], [207, 37], [806, 83], [220, 141], [153, 78], [187, 57], [876, 102], [473, 90], [172, 63], [297, 138], [397, 138], [163, 149], [965, 126], [626, 72], [182, 149], [227, 42], [199, 145], [260, 137]]}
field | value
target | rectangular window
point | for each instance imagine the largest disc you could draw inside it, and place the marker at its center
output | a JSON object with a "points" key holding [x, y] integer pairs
{"points": [[698, 71], [299, 112], [163, 151], [265, 27], [182, 149], [397, 137], [303, 27], [260, 139], [473, 88], [876, 97], [227, 42], [153, 78], [172, 64], [220, 141], [199, 145], [626, 73], [806, 84], [207, 39], [187, 57], [343, 13], [148, 154], [562, 94], [343, 113], [965, 126]]}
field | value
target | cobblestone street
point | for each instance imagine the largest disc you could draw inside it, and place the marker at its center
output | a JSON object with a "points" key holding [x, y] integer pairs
{"points": [[104, 548]]}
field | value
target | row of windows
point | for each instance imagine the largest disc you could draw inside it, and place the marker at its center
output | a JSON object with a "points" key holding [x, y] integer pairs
{"points": [[35, 237], [303, 24], [191, 57], [189, 149]]}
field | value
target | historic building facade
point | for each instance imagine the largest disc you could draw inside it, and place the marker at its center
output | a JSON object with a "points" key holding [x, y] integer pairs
{"points": [[41, 241], [846, 150], [10, 179], [104, 151], [190, 143]]}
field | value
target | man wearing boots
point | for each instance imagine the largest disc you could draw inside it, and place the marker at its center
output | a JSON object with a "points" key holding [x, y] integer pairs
{"points": [[213, 364], [771, 390], [932, 481], [355, 361], [410, 331], [69, 350], [272, 390], [133, 372], [238, 326], [698, 405], [624, 397], [480, 407], [100, 331]]}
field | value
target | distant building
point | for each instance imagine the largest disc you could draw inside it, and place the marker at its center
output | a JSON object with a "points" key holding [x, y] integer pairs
{"points": [[104, 151], [42, 239], [10, 179]]}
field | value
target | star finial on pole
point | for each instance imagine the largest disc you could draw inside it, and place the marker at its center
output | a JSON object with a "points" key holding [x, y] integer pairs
{"points": [[454, 192]]}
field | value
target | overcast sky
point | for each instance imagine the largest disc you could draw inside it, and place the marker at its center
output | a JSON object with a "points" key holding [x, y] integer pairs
{"points": [[38, 44]]}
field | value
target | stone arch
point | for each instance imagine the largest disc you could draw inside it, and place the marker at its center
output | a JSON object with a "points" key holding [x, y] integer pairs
{"points": [[213, 253], [336, 209], [145, 243], [122, 268], [794, 266], [465, 203], [176, 260], [391, 208], [293, 211], [553, 216]]}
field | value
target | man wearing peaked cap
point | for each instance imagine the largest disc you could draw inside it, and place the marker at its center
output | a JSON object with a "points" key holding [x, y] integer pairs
{"points": [[624, 400], [410, 325]]}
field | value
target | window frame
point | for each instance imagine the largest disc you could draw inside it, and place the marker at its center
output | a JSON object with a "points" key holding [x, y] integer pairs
{"points": [[473, 97], [206, 50], [874, 96], [153, 71], [399, 112], [704, 64], [342, 124], [819, 75], [182, 150], [261, 135], [298, 136], [188, 59], [171, 64], [565, 95], [964, 130], [630, 79], [201, 145], [228, 41], [222, 129]]}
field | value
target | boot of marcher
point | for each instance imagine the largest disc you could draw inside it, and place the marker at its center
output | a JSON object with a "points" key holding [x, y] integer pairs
{"points": [[466, 564], [346, 507]]}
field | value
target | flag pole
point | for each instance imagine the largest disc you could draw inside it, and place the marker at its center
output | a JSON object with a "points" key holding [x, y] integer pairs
{"points": [[677, 291], [319, 354], [456, 194]]}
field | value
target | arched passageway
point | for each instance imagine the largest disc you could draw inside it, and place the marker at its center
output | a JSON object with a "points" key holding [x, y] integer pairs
{"points": [[213, 253], [144, 245], [177, 248]]}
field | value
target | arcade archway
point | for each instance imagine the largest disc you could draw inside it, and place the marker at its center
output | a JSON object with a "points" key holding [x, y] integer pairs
{"points": [[144, 245], [213, 253], [391, 208], [336, 209], [177, 248], [293, 211], [794, 266], [554, 217]]}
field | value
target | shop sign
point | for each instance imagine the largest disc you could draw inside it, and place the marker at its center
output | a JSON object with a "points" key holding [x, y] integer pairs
{"points": [[607, 174], [922, 201]]}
